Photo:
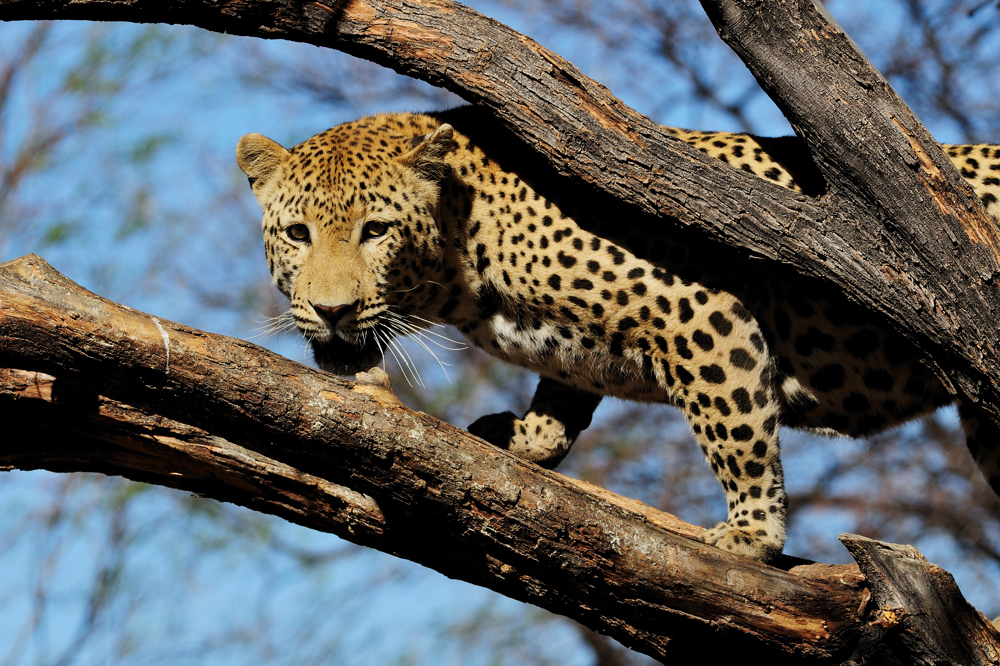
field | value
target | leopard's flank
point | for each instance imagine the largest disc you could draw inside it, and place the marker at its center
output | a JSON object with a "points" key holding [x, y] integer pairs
{"points": [[388, 224]]}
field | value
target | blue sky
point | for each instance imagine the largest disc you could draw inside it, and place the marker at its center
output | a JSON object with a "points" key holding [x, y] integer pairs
{"points": [[176, 234]]}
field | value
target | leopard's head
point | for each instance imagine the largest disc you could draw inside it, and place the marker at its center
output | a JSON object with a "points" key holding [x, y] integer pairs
{"points": [[351, 230]]}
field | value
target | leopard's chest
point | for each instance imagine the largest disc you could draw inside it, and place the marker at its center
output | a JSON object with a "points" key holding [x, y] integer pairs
{"points": [[563, 351]]}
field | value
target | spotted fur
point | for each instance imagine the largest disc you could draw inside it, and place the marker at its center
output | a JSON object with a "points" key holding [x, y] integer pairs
{"points": [[382, 226]]}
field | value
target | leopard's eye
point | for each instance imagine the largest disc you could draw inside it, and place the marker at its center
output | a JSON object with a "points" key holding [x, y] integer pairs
{"points": [[374, 229], [298, 233]]}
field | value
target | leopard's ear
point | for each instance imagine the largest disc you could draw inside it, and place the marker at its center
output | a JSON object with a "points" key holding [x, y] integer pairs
{"points": [[259, 157], [427, 156]]}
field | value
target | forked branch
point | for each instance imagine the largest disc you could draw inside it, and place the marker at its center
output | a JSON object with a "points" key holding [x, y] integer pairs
{"points": [[897, 231]]}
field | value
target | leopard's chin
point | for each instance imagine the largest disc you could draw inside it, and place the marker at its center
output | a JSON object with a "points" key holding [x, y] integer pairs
{"points": [[345, 358]]}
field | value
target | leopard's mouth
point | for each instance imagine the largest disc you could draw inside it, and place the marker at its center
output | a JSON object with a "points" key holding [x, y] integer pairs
{"points": [[340, 357]]}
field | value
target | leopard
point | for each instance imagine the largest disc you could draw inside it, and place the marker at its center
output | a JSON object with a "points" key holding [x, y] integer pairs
{"points": [[397, 222]]}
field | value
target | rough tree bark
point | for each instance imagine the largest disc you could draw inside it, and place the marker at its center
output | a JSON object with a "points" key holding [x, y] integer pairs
{"points": [[431, 492], [896, 231], [349, 458]]}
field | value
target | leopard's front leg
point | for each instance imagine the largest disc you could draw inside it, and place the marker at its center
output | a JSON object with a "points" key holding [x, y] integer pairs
{"points": [[544, 435], [737, 429]]}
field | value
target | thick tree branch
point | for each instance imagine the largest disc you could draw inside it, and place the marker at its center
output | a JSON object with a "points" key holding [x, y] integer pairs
{"points": [[349, 458], [918, 619], [896, 232], [901, 205], [69, 430]]}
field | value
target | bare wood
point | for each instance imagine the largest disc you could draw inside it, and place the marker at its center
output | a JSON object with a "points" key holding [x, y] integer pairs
{"points": [[66, 430], [396, 480], [464, 508], [926, 262], [916, 614]]}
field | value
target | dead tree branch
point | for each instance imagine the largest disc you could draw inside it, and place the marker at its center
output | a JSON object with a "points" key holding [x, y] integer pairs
{"points": [[349, 458], [897, 231], [918, 618]]}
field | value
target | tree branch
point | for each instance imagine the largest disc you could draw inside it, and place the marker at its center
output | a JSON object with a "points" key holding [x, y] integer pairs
{"points": [[918, 616], [920, 251], [348, 458]]}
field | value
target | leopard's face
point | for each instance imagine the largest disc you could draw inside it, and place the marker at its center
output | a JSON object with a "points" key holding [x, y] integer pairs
{"points": [[351, 235]]}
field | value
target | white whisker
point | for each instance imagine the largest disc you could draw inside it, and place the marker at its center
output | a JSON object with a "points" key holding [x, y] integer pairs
{"points": [[405, 318], [413, 368], [378, 343], [416, 331], [409, 362], [391, 346], [401, 325], [282, 323], [417, 337]]}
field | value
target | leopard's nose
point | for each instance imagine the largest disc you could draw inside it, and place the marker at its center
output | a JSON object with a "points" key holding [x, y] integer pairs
{"points": [[331, 314]]}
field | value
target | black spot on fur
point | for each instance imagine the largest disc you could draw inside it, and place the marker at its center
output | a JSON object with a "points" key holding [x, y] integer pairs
{"points": [[856, 402], [686, 313], [719, 322], [742, 399], [568, 261], [741, 312], [813, 338], [862, 343], [703, 340], [743, 433], [742, 359], [713, 374], [877, 379], [828, 378]]}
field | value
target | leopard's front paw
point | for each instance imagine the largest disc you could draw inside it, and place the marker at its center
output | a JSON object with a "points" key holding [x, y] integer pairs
{"points": [[754, 542], [539, 439], [497, 429]]}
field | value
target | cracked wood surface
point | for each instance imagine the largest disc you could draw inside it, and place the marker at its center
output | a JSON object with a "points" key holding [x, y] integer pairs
{"points": [[235, 422], [916, 614], [897, 231]]}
